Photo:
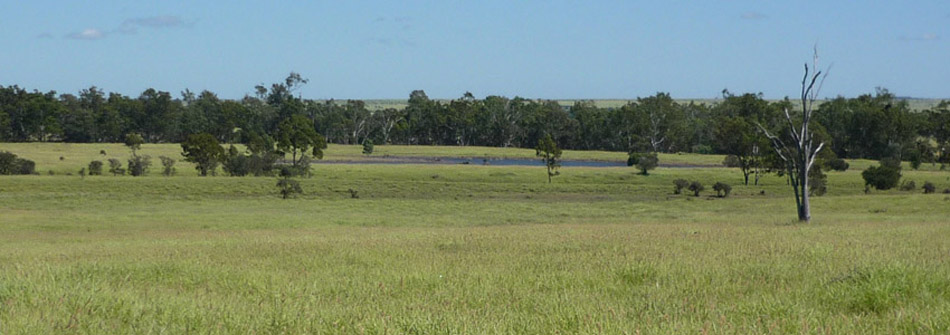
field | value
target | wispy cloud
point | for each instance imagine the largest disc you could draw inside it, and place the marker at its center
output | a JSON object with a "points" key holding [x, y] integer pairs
{"points": [[922, 37], [132, 26], [88, 34], [393, 31], [753, 16]]}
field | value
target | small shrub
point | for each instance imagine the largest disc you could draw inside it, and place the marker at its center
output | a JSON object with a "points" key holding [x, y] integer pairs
{"points": [[908, 186], [61, 158], [102, 152], [95, 168], [168, 166], [696, 187], [354, 194], [51, 173], [139, 164], [288, 187], [946, 191], [82, 173], [368, 147], [722, 189], [731, 161], [115, 167], [236, 164], [929, 187], [837, 164], [679, 185], [24, 166]]}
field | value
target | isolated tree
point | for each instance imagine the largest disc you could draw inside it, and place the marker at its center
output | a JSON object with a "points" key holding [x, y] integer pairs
{"points": [[203, 150], [368, 147], [168, 166], [550, 154], [95, 168], [647, 162], [297, 136], [288, 187], [797, 148], [134, 142]]}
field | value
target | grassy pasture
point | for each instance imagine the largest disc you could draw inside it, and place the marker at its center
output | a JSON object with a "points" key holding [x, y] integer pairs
{"points": [[463, 249]]}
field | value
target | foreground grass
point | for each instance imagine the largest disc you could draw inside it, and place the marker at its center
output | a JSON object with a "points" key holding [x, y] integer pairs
{"points": [[468, 249]]}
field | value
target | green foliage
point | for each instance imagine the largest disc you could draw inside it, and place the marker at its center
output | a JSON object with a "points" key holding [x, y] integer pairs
{"points": [[368, 147], [837, 164], [679, 185], [647, 162], [203, 150], [817, 181], [696, 187], [134, 141], [722, 189], [10, 164], [703, 149], [297, 136], [550, 154], [929, 187], [168, 166], [288, 187], [115, 167], [95, 168], [139, 164], [883, 177], [908, 186], [731, 161]]}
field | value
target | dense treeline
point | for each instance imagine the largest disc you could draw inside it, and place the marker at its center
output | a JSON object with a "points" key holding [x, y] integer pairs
{"points": [[868, 126]]}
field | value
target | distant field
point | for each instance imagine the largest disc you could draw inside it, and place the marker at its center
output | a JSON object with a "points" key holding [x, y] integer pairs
{"points": [[463, 249]]}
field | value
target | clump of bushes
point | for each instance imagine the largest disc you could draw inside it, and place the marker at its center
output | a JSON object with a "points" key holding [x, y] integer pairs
{"points": [[10, 164], [908, 186], [883, 177], [95, 168], [679, 185], [837, 164], [139, 164], [929, 187], [817, 181], [696, 187], [722, 189]]}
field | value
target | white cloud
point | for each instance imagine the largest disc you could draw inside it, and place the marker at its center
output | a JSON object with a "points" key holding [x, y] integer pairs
{"points": [[87, 34]]}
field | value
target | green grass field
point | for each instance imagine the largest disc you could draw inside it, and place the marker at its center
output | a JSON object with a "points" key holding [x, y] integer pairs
{"points": [[458, 249]]}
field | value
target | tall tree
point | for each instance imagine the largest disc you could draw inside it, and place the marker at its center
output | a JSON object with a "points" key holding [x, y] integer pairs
{"points": [[296, 135], [550, 154]]}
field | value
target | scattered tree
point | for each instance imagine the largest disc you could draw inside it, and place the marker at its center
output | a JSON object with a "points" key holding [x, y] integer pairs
{"points": [[646, 162], [722, 189], [297, 136], [679, 185], [368, 147], [884, 176], [115, 167], [168, 166], [696, 187], [203, 150], [550, 154], [139, 164], [95, 168], [288, 187], [134, 141]]}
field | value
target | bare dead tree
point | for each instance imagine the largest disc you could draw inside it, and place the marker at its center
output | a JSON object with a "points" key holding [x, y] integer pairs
{"points": [[800, 155]]}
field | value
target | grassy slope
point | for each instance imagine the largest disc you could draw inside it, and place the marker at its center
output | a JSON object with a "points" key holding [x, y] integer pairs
{"points": [[464, 249]]}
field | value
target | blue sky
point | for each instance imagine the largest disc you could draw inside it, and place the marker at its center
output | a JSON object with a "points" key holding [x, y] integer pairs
{"points": [[536, 49]]}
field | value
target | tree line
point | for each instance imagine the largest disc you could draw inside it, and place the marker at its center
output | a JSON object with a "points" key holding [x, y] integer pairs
{"points": [[869, 126]]}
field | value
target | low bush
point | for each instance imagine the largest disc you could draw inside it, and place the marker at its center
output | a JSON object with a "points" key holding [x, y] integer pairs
{"points": [[679, 185], [696, 187], [908, 186], [95, 168], [139, 164], [722, 189], [837, 164], [929, 187]]}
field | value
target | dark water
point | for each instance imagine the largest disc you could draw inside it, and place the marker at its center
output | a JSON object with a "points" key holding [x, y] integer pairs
{"points": [[474, 161]]}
